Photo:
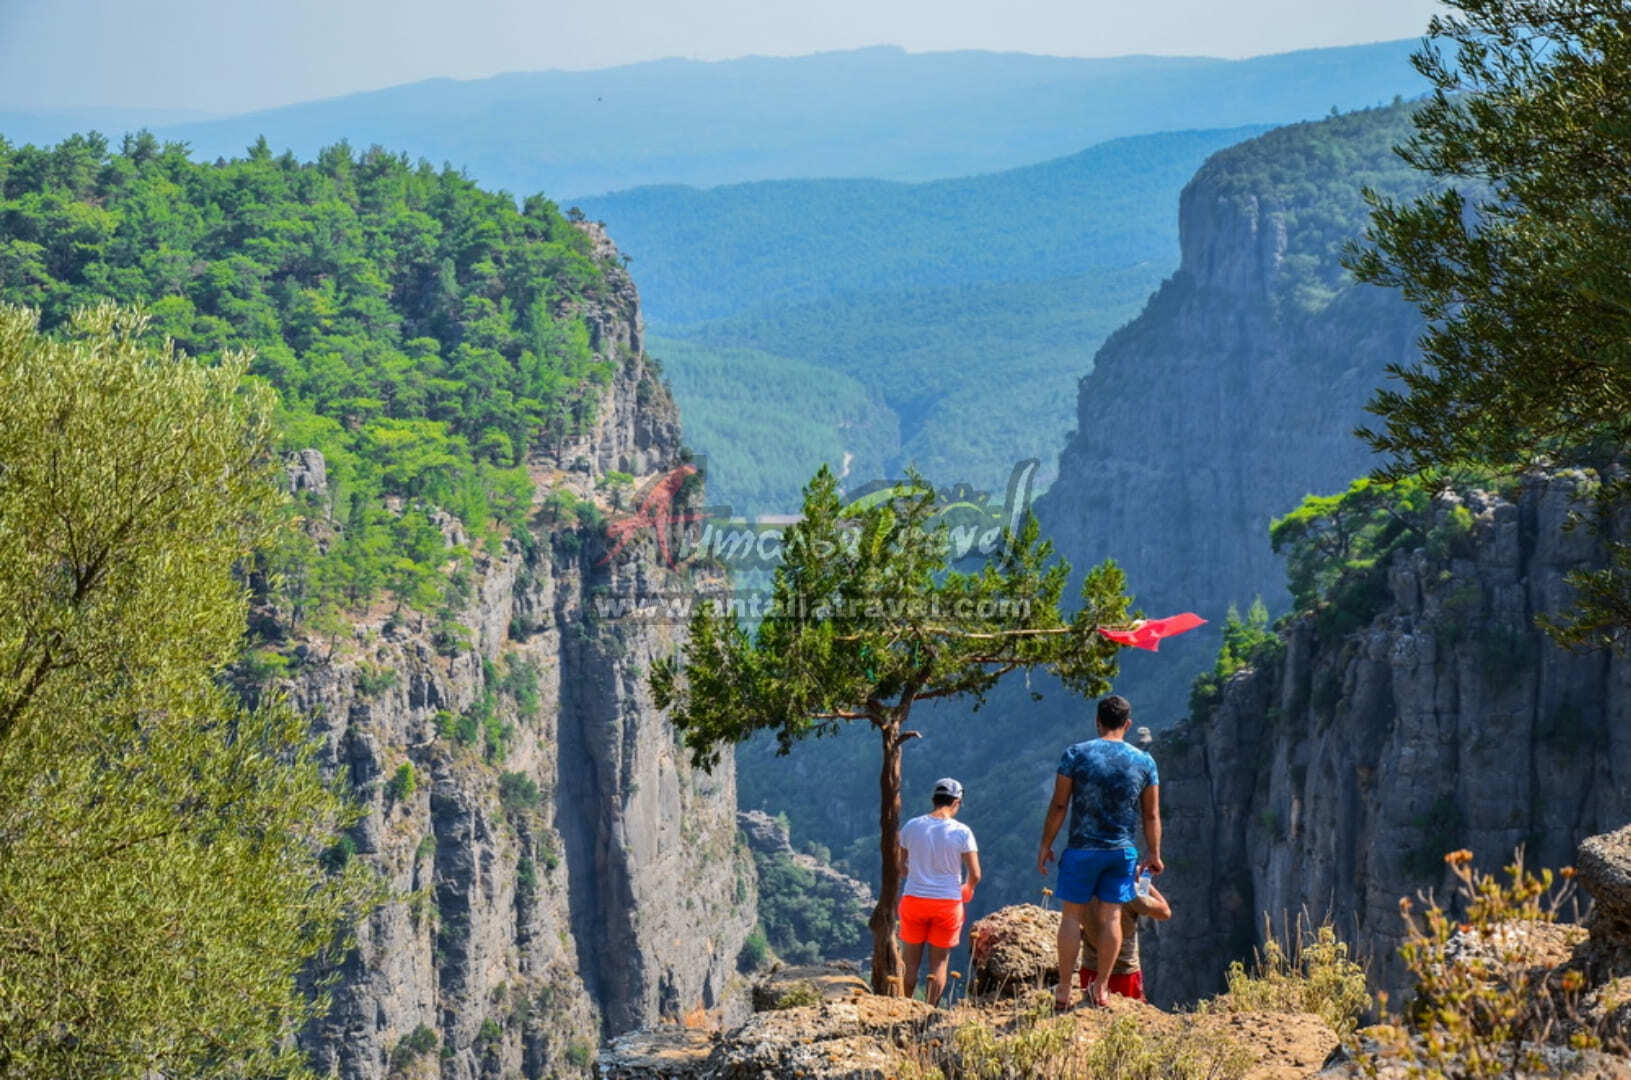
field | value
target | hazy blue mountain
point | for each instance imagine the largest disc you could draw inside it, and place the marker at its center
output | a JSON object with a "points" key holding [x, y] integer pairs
{"points": [[44, 127], [877, 112]]}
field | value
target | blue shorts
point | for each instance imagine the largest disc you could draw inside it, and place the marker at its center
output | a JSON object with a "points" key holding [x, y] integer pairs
{"points": [[1108, 875]]}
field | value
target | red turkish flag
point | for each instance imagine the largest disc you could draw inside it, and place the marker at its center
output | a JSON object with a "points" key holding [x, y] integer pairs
{"points": [[1147, 633]]}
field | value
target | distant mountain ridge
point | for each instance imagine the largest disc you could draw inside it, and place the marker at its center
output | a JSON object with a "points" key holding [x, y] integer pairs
{"points": [[878, 112]]}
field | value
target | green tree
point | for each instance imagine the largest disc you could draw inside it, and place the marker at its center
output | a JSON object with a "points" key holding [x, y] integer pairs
{"points": [[160, 888], [866, 619], [1518, 261]]}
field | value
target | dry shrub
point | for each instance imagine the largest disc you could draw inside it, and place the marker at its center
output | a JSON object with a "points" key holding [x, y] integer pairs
{"points": [[1311, 973], [1492, 998], [1058, 1048]]}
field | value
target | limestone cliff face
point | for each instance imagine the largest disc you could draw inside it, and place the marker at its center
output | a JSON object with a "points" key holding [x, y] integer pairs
{"points": [[1334, 781], [1236, 391], [561, 880]]}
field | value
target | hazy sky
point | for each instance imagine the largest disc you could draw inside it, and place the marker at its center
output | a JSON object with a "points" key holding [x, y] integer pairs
{"points": [[232, 55]]}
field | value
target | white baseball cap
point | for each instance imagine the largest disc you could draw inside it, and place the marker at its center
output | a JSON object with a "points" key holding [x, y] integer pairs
{"points": [[947, 786]]}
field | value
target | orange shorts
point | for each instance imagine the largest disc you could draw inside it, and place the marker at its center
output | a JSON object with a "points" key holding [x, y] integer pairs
{"points": [[938, 922], [1128, 985]]}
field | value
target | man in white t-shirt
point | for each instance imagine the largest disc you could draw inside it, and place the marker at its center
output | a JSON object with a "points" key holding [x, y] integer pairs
{"points": [[935, 850]]}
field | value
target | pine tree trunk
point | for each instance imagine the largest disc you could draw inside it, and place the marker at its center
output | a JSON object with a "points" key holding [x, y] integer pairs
{"points": [[885, 951]]}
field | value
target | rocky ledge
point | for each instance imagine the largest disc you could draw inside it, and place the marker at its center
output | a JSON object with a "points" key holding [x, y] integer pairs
{"points": [[821, 1023]]}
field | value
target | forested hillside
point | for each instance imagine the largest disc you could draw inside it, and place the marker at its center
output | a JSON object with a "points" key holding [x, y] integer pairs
{"points": [[458, 362], [963, 309], [421, 332]]}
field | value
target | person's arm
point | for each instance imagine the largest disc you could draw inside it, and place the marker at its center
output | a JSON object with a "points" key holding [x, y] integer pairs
{"points": [[1154, 906], [902, 861], [1150, 801], [1056, 817]]}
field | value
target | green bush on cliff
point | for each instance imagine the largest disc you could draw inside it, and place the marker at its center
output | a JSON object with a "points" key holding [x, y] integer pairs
{"points": [[420, 332], [1248, 642], [1337, 547]]}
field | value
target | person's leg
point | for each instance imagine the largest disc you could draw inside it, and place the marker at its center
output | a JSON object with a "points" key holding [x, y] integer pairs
{"points": [[936, 978], [1070, 947], [914, 931], [911, 955], [1108, 942], [1090, 930]]}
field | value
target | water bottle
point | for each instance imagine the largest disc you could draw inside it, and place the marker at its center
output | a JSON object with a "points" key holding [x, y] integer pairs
{"points": [[1142, 885]]}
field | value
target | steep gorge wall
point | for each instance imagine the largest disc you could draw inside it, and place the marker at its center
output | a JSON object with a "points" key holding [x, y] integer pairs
{"points": [[524, 926], [1236, 391], [1333, 781]]}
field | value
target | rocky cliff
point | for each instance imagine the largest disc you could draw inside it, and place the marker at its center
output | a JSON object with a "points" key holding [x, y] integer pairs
{"points": [[559, 871], [1333, 780], [1237, 390]]}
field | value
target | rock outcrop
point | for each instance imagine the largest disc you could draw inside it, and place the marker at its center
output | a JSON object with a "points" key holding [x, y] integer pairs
{"points": [[1332, 782], [879, 1038], [559, 870], [1604, 872]]}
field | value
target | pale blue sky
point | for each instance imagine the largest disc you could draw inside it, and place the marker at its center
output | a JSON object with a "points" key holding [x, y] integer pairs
{"points": [[233, 55]]}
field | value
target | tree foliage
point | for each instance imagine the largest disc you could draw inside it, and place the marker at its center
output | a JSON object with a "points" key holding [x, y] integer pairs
{"points": [[866, 620], [422, 333], [160, 887], [1518, 264]]}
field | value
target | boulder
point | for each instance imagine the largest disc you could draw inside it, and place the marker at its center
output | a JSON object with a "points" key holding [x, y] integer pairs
{"points": [[1603, 868], [841, 1040], [1015, 949], [829, 982], [664, 1053]]}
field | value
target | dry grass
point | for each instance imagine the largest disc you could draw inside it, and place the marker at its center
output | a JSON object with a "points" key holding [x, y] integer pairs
{"points": [[1313, 972]]}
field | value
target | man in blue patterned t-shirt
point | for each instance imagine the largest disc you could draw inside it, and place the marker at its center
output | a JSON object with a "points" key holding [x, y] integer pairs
{"points": [[1107, 786]]}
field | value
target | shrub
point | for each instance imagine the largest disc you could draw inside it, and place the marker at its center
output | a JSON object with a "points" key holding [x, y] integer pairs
{"points": [[338, 854], [1313, 972], [1248, 642], [520, 681], [261, 666], [1489, 1000], [797, 995], [517, 792], [422, 1040], [755, 952], [526, 880], [401, 784], [373, 680], [580, 1053]]}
